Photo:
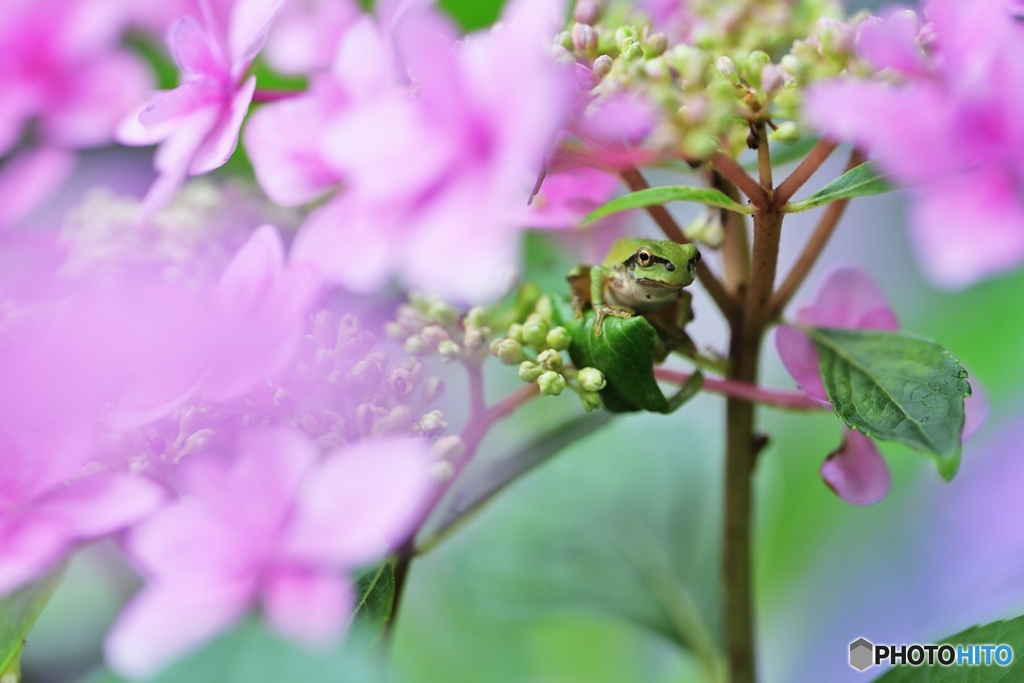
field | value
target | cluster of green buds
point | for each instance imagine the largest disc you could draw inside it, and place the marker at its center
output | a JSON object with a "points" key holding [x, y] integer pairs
{"points": [[728, 67], [427, 325], [536, 346]]}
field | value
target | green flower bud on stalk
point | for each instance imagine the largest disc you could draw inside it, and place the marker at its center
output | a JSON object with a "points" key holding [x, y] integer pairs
{"points": [[550, 359], [584, 38], [558, 338], [515, 331], [434, 335], [417, 346], [442, 313], [632, 52], [535, 333], [591, 400], [551, 383], [449, 350], [751, 67], [655, 45], [591, 379], [475, 317], [602, 66], [395, 331], [508, 351], [788, 131], [473, 338], [529, 371], [727, 68]]}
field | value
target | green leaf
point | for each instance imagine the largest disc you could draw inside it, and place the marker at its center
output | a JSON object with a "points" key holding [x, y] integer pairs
{"points": [[376, 591], [1010, 632], [625, 353], [653, 196], [860, 181], [896, 386], [483, 484], [18, 613]]}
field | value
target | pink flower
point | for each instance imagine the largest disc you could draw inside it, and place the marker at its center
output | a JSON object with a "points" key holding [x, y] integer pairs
{"points": [[215, 553], [198, 122], [959, 155], [567, 195], [443, 165], [848, 298], [306, 36]]}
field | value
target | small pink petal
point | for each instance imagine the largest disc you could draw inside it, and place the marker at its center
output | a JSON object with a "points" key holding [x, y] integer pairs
{"points": [[800, 357], [891, 42], [102, 503], [250, 22], [856, 472], [195, 51], [30, 177], [566, 196], [189, 97], [305, 605], [32, 544], [221, 141], [847, 298], [166, 621], [360, 502]]}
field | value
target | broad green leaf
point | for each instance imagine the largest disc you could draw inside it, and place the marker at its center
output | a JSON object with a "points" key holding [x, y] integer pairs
{"points": [[482, 485], [660, 195], [1009, 632], [376, 593], [896, 386], [250, 653], [625, 353], [18, 613], [859, 181]]}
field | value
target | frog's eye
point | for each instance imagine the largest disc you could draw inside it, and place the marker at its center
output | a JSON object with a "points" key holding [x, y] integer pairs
{"points": [[644, 257]]}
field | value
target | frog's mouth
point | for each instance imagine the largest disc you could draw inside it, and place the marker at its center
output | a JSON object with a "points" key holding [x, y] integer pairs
{"points": [[657, 284]]}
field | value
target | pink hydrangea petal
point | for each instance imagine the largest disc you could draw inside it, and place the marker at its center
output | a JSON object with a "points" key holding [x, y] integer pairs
{"points": [[988, 198], [364, 65], [306, 37], [102, 503], [856, 472], [800, 359], [98, 97], [425, 43], [307, 606], [891, 42], [220, 142], [195, 51], [343, 226], [566, 196], [173, 105], [166, 621], [30, 177], [845, 299], [250, 22], [291, 169], [975, 410], [174, 156], [32, 544], [360, 502]]}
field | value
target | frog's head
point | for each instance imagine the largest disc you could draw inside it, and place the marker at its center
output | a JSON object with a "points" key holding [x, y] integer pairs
{"points": [[664, 263]]}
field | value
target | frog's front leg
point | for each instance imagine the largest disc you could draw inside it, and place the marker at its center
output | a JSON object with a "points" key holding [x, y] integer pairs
{"points": [[601, 278]]}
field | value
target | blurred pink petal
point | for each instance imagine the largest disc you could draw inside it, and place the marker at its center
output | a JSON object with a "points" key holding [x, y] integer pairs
{"points": [[975, 410], [220, 142], [186, 99], [196, 51], [566, 196], [250, 22], [306, 35], [891, 42], [102, 503], [28, 178], [32, 546], [308, 606], [856, 472], [381, 483]]}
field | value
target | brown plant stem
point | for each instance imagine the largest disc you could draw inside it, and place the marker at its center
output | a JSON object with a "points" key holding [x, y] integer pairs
{"points": [[812, 250], [712, 285], [735, 174], [804, 170], [735, 242]]}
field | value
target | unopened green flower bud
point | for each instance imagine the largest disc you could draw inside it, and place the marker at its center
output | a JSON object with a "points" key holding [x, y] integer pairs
{"points": [[727, 68], [442, 313], [602, 66], [751, 67], [416, 346], [395, 331], [591, 379], [698, 144], [558, 338], [449, 448], [655, 45], [433, 388], [788, 131], [543, 310], [529, 371], [550, 359], [433, 423], [410, 318], [624, 35], [584, 38], [586, 11], [632, 52], [564, 39], [791, 64], [534, 333], [473, 338], [836, 39], [434, 335], [591, 400], [706, 228], [508, 351], [475, 317], [657, 69], [515, 331], [551, 383], [448, 350]]}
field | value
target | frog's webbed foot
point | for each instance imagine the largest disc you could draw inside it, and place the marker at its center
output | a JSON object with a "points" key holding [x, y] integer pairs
{"points": [[603, 310]]}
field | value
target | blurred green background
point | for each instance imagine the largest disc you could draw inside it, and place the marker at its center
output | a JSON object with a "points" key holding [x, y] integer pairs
{"points": [[594, 567]]}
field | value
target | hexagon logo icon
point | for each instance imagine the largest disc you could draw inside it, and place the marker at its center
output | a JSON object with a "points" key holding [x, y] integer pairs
{"points": [[861, 654]]}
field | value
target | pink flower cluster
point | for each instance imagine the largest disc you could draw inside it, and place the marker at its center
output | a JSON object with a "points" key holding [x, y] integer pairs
{"points": [[962, 75]]}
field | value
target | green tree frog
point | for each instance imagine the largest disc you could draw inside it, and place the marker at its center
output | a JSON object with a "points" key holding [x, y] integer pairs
{"points": [[638, 276]]}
